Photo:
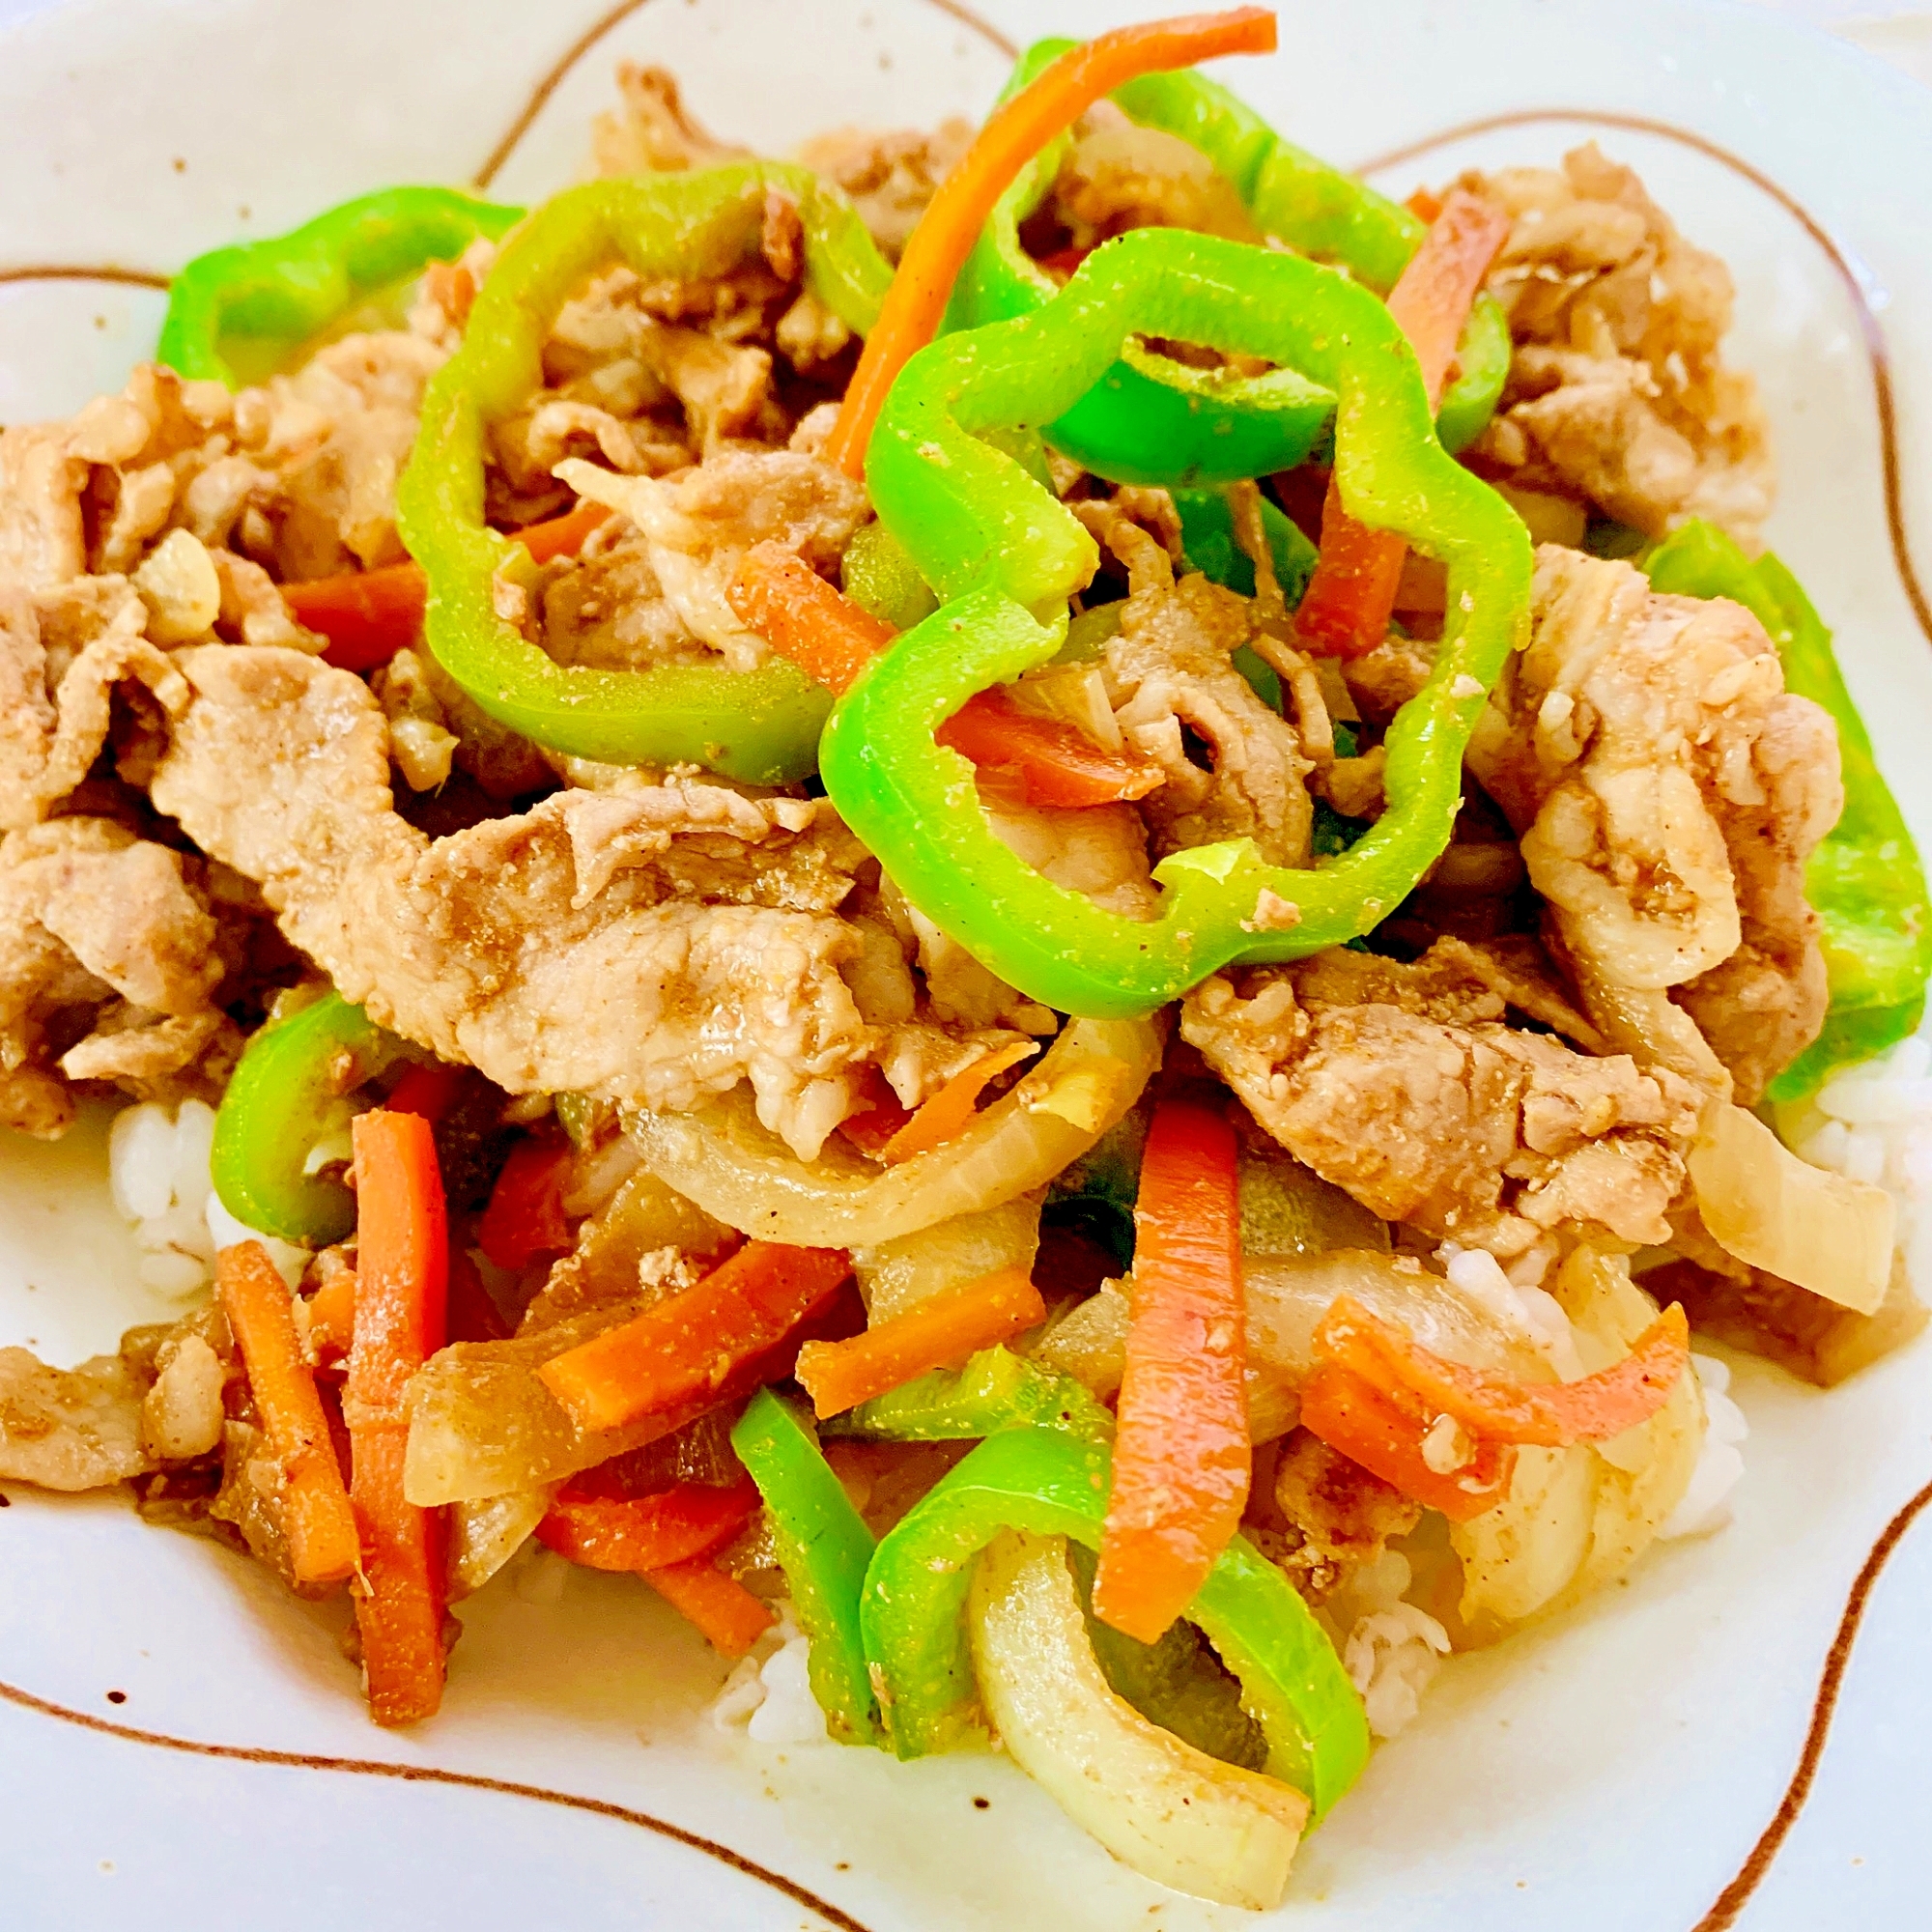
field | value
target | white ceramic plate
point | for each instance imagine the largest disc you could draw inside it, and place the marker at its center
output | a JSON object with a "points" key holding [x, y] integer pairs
{"points": [[178, 1740]]}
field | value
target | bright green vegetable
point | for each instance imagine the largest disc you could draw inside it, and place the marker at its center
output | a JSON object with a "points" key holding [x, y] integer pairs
{"points": [[1054, 1484], [996, 1390], [239, 314], [989, 539], [1208, 541], [761, 725], [824, 1549], [1866, 878], [1152, 419], [275, 1110]]}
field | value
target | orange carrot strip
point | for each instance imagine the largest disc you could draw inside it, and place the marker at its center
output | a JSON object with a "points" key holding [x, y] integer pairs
{"points": [[331, 1314], [945, 1328], [1012, 135], [1181, 1457], [689, 1344], [525, 1218], [369, 615], [646, 1532], [832, 640], [316, 1517], [947, 1112], [1058, 764], [1350, 599], [402, 1255], [727, 1615], [828, 636], [1353, 1417], [1548, 1414]]}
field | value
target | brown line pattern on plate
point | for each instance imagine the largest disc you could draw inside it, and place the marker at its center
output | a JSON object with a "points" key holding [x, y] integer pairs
{"points": [[1876, 350], [1734, 1897], [413, 1774], [61, 271], [566, 62]]}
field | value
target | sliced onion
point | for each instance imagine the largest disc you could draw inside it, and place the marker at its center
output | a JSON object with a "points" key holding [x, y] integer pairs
{"points": [[1799, 1222], [1169, 1811], [1288, 1296], [733, 1168], [485, 1534], [1577, 1519], [894, 1276]]}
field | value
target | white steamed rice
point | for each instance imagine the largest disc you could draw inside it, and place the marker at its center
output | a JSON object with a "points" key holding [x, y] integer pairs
{"points": [[158, 1171]]}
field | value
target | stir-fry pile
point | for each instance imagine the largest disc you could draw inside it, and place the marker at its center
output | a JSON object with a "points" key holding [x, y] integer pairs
{"points": [[1029, 908]]}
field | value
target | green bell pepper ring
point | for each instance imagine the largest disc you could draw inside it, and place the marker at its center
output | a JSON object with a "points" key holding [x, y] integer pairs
{"points": [[275, 1110], [1053, 1483], [761, 727], [1153, 420], [987, 537], [239, 314], [1864, 879], [823, 1548], [995, 1391]]}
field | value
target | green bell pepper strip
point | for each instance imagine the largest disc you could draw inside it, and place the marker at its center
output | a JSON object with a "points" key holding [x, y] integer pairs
{"points": [[995, 1391], [275, 1110], [987, 538], [1153, 420], [1052, 1484], [1208, 541], [238, 314], [761, 727], [1865, 879], [823, 1548]]}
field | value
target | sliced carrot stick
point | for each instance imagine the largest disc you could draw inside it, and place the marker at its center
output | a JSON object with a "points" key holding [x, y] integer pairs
{"points": [[1181, 1458], [316, 1516], [1011, 136], [331, 1314], [729, 1615], [688, 1346], [1055, 762], [525, 1218], [1494, 1408], [945, 1328], [1350, 599], [1353, 1417], [832, 640], [369, 615], [947, 1114], [803, 619], [402, 1253], [646, 1532]]}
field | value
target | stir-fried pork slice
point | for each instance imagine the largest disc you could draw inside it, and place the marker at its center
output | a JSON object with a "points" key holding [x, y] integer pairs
{"points": [[1337, 1515], [1669, 792], [70, 1429], [108, 961], [697, 529], [61, 653], [1233, 767], [1402, 1085], [1118, 176], [1618, 390], [890, 176], [560, 950]]}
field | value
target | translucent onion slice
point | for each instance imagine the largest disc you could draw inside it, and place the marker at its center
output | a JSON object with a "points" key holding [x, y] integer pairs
{"points": [[1288, 1296], [1799, 1222], [1173, 1814], [733, 1168]]}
